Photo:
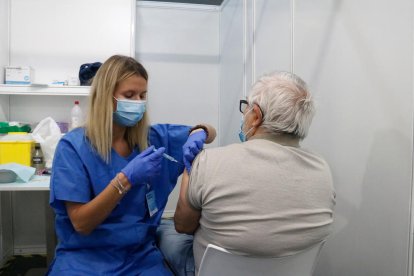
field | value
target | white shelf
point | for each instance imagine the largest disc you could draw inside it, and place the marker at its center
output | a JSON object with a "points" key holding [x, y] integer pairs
{"points": [[44, 90]]}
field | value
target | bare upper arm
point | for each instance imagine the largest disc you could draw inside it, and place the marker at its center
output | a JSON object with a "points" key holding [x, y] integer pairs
{"points": [[186, 217]]}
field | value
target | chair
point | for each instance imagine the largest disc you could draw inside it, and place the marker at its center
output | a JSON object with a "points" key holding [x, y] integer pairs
{"points": [[217, 261]]}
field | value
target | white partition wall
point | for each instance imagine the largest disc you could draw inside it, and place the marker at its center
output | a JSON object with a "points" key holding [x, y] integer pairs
{"points": [[179, 46], [255, 38], [357, 57], [232, 69], [272, 29]]}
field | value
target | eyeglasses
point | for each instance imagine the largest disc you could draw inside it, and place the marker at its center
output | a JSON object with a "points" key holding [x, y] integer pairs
{"points": [[243, 105]]}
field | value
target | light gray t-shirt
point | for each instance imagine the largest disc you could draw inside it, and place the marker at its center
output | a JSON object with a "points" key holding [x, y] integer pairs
{"points": [[261, 197]]}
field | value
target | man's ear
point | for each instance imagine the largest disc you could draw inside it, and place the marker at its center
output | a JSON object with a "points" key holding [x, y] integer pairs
{"points": [[258, 116]]}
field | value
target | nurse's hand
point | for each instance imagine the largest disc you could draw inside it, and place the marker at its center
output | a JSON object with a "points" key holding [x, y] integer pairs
{"points": [[192, 147], [144, 166]]}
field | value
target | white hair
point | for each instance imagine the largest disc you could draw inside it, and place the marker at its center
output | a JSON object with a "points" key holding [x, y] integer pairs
{"points": [[286, 103]]}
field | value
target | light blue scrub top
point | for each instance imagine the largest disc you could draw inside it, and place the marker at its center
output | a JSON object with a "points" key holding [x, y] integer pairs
{"points": [[124, 244]]}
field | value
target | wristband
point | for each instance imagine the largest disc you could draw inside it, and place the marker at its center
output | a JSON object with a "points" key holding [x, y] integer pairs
{"points": [[118, 185], [122, 187]]}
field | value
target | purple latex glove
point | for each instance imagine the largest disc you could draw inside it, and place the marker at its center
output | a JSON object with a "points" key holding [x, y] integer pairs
{"points": [[144, 166], [192, 147]]}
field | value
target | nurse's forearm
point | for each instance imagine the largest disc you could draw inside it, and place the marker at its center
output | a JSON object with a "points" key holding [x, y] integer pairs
{"points": [[85, 217]]}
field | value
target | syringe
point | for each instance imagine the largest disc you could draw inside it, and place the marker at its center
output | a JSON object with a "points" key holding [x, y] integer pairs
{"points": [[169, 157]]}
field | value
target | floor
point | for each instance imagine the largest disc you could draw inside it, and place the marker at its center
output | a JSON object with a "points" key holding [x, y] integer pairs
{"points": [[30, 265]]}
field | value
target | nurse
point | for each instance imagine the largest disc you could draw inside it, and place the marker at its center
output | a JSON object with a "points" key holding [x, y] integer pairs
{"points": [[110, 181]]}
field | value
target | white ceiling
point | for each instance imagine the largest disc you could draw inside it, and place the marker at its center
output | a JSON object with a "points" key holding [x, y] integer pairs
{"points": [[204, 2]]}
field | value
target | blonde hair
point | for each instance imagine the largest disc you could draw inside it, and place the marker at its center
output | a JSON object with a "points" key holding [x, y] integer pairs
{"points": [[98, 127], [286, 103]]}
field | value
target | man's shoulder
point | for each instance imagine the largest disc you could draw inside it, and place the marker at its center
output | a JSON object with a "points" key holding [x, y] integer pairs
{"points": [[314, 155], [231, 148]]}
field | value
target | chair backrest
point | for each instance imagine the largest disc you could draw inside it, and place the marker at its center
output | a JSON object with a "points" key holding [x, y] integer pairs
{"points": [[217, 261]]}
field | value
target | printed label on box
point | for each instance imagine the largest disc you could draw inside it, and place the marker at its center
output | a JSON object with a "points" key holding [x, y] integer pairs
{"points": [[18, 75]]}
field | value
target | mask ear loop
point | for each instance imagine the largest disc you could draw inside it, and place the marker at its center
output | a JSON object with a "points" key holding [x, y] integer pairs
{"points": [[244, 121], [262, 118], [114, 109]]}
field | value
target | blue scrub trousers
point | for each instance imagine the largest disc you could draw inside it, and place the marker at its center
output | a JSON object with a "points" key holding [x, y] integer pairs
{"points": [[177, 248]]}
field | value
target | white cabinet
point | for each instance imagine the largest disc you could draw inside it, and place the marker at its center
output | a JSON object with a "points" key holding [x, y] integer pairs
{"points": [[23, 232], [6, 229]]}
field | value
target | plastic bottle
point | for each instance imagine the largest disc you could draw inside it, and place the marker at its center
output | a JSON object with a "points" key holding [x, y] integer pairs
{"points": [[76, 116], [37, 160]]}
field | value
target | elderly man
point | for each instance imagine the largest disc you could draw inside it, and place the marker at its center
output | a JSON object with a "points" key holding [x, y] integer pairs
{"points": [[267, 196]]}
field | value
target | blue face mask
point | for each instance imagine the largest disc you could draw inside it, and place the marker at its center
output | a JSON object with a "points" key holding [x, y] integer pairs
{"points": [[242, 135], [128, 112]]}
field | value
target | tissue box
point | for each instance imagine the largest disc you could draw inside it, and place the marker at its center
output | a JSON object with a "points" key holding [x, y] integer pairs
{"points": [[16, 148], [18, 75]]}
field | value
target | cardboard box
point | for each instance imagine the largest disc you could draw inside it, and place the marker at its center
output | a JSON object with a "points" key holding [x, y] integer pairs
{"points": [[18, 75]]}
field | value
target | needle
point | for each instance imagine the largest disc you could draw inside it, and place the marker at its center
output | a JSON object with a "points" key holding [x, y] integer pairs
{"points": [[169, 157]]}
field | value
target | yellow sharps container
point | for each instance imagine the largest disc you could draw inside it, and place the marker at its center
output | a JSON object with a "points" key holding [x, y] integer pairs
{"points": [[16, 147]]}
